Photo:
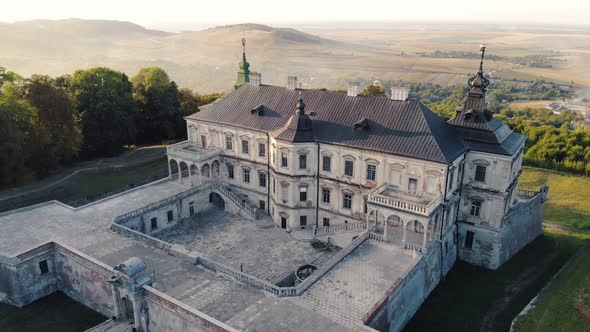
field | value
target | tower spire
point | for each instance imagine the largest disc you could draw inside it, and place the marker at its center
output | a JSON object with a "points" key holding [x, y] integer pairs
{"points": [[244, 71], [482, 49]]}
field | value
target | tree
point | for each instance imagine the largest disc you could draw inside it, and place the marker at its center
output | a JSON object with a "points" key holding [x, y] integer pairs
{"points": [[103, 99], [15, 127], [157, 100], [373, 90], [55, 120]]}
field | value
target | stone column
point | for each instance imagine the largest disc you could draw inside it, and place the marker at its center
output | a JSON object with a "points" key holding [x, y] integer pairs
{"points": [[385, 227], [424, 241], [179, 173], [116, 302], [136, 300], [169, 171], [404, 233], [190, 176]]}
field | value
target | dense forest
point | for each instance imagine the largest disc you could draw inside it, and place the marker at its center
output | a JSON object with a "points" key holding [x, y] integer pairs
{"points": [[46, 122]]}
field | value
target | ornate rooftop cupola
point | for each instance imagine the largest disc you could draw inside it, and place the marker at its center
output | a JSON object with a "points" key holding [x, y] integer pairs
{"points": [[244, 71], [299, 127], [474, 110]]}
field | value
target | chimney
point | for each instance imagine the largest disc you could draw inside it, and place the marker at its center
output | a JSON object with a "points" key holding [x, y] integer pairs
{"points": [[353, 89], [400, 93], [292, 82], [255, 79]]}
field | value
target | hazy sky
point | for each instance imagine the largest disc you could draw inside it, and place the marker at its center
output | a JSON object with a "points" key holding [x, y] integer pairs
{"points": [[155, 13]]}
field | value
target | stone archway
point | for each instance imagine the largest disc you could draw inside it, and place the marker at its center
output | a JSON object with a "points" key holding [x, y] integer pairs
{"points": [[127, 308], [173, 168], [217, 200], [376, 221], [394, 229], [183, 166], [415, 230], [206, 170]]}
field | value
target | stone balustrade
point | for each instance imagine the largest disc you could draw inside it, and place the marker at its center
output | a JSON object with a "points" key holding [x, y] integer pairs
{"points": [[527, 192], [403, 205], [252, 209], [414, 247], [351, 226], [188, 151]]}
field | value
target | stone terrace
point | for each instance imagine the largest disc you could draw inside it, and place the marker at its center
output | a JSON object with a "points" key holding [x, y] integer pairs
{"points": [[335, 303], [232, 240]]}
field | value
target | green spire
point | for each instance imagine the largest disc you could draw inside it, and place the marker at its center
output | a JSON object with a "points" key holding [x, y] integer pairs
{"points": [[244, 72]]}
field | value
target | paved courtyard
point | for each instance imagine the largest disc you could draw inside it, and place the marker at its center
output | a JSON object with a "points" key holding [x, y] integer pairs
{"points": [[234, 241]]}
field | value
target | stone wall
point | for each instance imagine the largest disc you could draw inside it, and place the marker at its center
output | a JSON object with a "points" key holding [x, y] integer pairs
{"points": [[493, 247], [78, 276], [169, 314], [405, 296]]}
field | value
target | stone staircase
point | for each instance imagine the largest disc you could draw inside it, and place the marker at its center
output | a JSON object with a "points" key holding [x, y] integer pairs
{"points": [[251, 208]]}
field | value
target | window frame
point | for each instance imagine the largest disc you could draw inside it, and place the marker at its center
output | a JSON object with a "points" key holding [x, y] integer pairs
{"points": [[303, 193], [245, 175], [261, 177], [261, 149], [230, 171], [326, 166], [284, 159], [229, 143], [371, 170], [469, 239], [170, 215], [410, 181], [245, 146], [475, 208], [326, 193], [349, 165], [347, 200], [302, 161], [480, 173], [44, 267]]}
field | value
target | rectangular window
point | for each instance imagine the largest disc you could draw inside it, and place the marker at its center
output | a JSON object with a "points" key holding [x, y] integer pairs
{"points": [[302, 161], [302, 221], [284, 159], [325, 195], [154, 223], [246, 176], [191, 210], [230, 171], [170, 215], [475, 208], [469, 239], [371, 172], [245, 146], [203, 141], [302, 194], [262, 179], [348, 167], [412, 185], [44, 267], [228, 143], [274, 185], [480, 173], [326, 222], [261, 150], [262, 205], [347, 201], [451, 179], [327, 163]]}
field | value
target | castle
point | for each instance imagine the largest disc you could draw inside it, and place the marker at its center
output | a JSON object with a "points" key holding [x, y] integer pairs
{"points": [[287, 209]]}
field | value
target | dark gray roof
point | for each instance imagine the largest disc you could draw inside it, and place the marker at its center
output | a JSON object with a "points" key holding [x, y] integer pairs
{"points": [[406, 128]]}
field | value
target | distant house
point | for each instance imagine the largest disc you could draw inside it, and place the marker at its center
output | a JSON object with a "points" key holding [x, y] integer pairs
{"points": [[555, 107]]}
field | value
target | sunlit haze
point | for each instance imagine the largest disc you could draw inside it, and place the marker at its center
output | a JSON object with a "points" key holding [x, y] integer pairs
{"points": [[159, 13]]}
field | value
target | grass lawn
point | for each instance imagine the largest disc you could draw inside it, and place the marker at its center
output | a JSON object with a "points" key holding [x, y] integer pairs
{"points": [[560, 307], [569, 196], [91, 184]]}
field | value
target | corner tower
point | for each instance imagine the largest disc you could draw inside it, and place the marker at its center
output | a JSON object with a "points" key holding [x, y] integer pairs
{"points": [[244, 71], [495, 219]]}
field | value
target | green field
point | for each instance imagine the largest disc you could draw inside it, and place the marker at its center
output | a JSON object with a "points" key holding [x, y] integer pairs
{"points": [[569, 196], [561, 306], [476, 299]]}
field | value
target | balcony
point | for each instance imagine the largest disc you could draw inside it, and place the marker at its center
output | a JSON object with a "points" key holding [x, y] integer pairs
{"points": [[188, 151], [392, 197]]}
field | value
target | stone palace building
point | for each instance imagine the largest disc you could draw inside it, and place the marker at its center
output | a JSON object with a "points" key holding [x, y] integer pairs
{"points": [[287, 209]]}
